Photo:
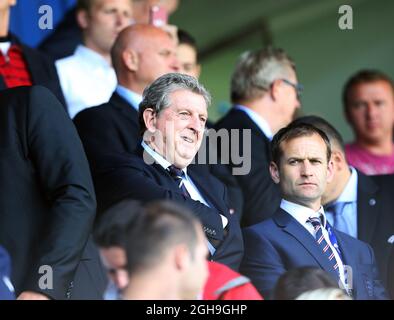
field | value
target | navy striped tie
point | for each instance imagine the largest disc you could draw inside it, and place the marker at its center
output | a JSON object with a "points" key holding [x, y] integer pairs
{"points": [[323, 244], [177, 174]]}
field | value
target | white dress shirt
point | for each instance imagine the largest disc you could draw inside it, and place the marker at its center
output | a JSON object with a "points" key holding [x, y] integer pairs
{"points": [[257, 119], [302, 214], [187, 182], [86, 78]]}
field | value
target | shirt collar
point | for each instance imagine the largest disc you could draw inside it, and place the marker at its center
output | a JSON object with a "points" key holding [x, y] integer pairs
{"points": [[159, 158], [91, 57], [349, 194], [257, 119], [301, 213], [4, 47], [133, 98]]}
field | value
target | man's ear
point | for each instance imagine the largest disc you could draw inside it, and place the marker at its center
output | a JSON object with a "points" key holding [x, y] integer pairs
{"points": [[198, 70], [275, 89], [339, 160], [130, 59], [330, 171], [149, 117], [181, 257], [274, 171], [82, 18]]}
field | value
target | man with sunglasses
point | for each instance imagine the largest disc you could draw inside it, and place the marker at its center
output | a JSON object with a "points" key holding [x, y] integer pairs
{"points": [[265, 94]]}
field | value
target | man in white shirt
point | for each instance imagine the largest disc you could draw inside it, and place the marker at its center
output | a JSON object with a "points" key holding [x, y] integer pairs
{"points": [[87, 77], [298, 234]]}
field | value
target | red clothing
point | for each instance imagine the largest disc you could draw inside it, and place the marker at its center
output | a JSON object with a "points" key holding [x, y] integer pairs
{"points": [[13, 68], [369, 163], [226, 284]]}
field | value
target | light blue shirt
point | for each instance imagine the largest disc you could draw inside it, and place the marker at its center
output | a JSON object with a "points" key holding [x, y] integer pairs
{"points": [[133, 98], [257, 119], [349, 212]]}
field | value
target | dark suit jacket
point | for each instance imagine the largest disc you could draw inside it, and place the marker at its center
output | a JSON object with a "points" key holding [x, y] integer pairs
{"points": [[128, 176], [279, 244], [47, 201], [261, 195], [375, 215], [41, 69], [109, 128]]}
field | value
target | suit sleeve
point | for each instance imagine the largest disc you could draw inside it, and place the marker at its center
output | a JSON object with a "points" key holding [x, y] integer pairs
{"points": [[63, 176], [261, 262], [131, 181]]}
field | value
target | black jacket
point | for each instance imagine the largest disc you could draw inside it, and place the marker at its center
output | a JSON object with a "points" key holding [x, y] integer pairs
{"points": [[41, 69], [47, 201], [375, 217], [261, 195]]}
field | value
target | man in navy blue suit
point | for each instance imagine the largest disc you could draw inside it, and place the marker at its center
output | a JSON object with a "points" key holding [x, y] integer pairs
{"points": [[298, 234]]}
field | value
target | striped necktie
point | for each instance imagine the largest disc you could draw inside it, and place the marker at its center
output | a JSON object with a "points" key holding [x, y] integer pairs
{"points": [[323, 244], [177, 174]]}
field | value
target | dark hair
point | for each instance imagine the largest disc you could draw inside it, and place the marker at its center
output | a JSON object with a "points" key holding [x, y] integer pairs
{"points": [[84, 5], [363, 76], [333, 135], [110, 228], [163, 225], [299, 280], [186, 38], [292, 131]]}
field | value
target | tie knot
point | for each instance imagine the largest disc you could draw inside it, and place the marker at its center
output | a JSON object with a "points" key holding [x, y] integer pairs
{"points": [[315, 221], [175, 172]]}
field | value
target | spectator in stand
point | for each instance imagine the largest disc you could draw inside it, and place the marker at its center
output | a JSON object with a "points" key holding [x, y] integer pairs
{"points": [[299, 280], [265, 92], [87, 77], [368, 99], [187, 52], [166, 255]]}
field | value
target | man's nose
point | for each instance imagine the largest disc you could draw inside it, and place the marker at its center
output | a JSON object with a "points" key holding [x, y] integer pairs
{"points": [[306, 168], [175, 64]]}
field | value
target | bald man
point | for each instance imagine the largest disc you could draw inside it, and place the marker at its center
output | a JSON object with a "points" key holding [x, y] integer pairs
{"points": [[141, 54]]}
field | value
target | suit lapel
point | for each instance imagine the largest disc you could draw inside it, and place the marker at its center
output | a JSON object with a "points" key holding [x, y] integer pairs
{"points": [[200, 176], [295, 229], [367, 207]]}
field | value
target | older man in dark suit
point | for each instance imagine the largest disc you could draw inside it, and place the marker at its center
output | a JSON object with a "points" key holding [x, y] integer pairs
{"points": [[173, 114], [47, 199], [299, 234], [264, 91]]}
